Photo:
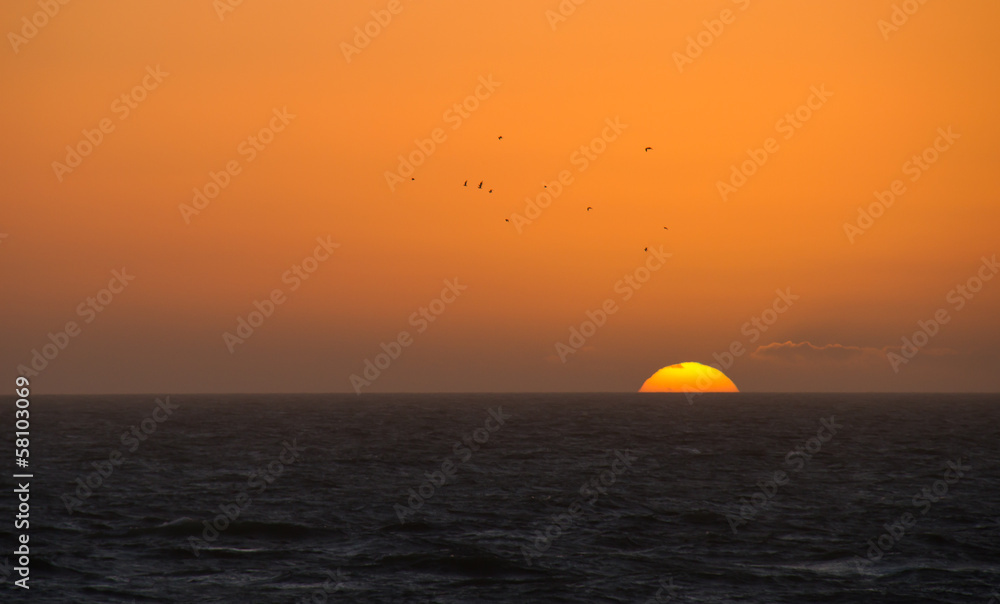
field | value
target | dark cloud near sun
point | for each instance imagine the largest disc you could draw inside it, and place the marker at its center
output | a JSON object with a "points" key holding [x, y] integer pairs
{"points": [[838, 353], [807, 351]]}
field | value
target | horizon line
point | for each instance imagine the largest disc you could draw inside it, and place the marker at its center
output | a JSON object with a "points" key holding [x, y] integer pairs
{"points": [[494, 392]]}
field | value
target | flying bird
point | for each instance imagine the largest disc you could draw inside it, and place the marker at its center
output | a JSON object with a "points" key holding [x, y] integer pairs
{"points": [[480, 184], [645, 249], [491, 190], [589, 208], [506, 219], [665, 229], [465, 184], [500, 138], [648, 149]]}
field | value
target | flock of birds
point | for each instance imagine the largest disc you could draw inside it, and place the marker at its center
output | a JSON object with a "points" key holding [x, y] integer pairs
{"points": [[589, 208]]}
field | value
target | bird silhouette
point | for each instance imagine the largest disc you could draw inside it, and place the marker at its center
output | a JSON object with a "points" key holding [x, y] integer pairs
{"points": [[500, 138], [465, 184], [645, 249], [665, 229], [413, 179], [506, 219], [589, 208], [491, 190], [648, 149], [480, 184]]}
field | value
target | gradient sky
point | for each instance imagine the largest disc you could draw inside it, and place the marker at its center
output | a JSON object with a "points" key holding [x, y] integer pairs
{"points": [[324, 175]]}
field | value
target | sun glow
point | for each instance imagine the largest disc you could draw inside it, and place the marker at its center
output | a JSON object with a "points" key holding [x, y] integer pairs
{"points": [[689, 377]]}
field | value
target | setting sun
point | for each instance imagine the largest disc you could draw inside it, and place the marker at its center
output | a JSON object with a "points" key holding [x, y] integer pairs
{"points": [[689, 377]]}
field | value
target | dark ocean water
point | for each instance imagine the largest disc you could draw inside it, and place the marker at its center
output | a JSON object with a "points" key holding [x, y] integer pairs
{"points": [[572, 498]]}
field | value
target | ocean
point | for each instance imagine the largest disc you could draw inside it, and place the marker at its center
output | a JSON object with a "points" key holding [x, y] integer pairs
{"points": [[749, 498]]}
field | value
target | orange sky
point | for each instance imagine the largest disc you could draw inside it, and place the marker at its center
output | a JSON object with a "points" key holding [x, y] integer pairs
{"points": [[324, 175]]}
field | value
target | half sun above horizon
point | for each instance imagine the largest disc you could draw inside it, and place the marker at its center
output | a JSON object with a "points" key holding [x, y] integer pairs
{"points": [[689, 377]]}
